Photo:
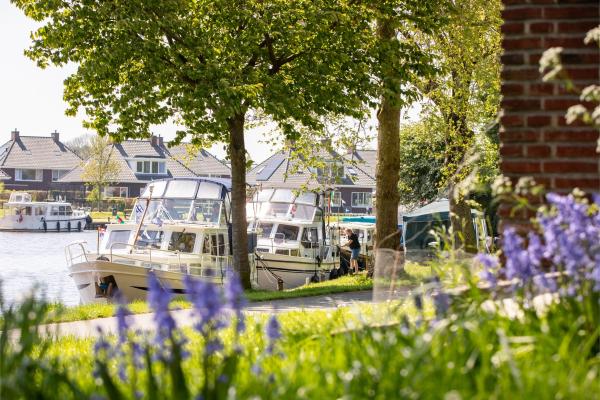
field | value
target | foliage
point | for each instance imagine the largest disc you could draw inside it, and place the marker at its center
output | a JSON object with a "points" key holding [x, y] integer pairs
{"points": [[101, 168], [422, 159], [81, 145]]}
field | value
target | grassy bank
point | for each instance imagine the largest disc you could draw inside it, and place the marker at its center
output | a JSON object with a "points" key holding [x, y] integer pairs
{"points": [[415, 274]]}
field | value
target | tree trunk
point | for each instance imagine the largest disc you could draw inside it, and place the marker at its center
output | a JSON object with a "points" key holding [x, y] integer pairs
{"points": [[388, 148], [463, 230], [237, 154]]}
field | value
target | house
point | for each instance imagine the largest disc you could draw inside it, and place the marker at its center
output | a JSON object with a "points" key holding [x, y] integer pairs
{"points": [[143, 161], [35, 163], [350, 177]]}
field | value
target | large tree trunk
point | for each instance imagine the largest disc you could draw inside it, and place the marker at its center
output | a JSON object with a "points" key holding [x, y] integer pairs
{"points": [[237, 154], [388, 148], [463, 230]]}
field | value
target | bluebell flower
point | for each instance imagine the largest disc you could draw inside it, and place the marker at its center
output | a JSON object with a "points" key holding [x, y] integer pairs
{"points": [[441, 300], [273, 332], [159, 298], [213, 346], [236, 301]]}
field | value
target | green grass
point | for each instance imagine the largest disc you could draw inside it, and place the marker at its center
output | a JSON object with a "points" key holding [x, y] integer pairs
{"points": [[415, 273]]}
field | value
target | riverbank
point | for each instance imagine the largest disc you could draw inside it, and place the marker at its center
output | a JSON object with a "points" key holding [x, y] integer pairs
{"points": [[415, 274]]}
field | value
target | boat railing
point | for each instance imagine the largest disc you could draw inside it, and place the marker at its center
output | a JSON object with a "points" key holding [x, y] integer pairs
{"points": [[74, 257], [171, 260]]}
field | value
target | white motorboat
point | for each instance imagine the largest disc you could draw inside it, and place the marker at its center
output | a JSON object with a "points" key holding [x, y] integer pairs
{"points": [[23, 214], [182, 226], [291, 246]]}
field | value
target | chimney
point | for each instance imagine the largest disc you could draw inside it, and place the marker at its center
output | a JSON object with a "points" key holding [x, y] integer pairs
{"points": [[154, 140], [160, 141], [55, 135], [14, 135]]}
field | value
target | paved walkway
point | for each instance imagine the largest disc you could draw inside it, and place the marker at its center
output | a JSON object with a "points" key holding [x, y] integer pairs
{"points": [[89, 328]]}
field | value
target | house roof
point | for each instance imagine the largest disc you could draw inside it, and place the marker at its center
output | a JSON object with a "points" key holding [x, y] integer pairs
{"points": [[3, 175], [200, 161], [130, 150], [37, 152], [283, 170]]}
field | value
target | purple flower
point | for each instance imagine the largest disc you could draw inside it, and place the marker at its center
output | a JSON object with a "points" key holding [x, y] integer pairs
{"points": [[213, 346], [441, 300], [207, 304], [159, 298], [234, 294], [273, 329]]}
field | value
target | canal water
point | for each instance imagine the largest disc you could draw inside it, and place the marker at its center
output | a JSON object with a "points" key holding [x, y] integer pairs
{"points": [[36, 262]]}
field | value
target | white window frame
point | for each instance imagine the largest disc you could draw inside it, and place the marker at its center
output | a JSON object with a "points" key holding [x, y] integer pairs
{"points": [[121, 189], [39, 175], [363, 195], [161, 167], [58, 173], [337, 195]]}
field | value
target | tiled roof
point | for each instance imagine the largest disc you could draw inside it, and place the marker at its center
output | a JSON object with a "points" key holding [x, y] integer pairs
{"points": [[282, 176], [203, 164], [200, 161], [37, 152]]}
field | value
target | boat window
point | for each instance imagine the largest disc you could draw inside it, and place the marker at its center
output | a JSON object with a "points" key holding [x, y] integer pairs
{"points": [[289, 232], [310, 235], [40, 210], [27, 211], [207, 211], [182, 241], [149, 238], [209, 190], [303, 212], [283, 195], [181, 189], [158, 189], [274, 209], [265, 229], [55, 210], [264, 195], [69, 210], [218, 245], [177, 209], [120, 238], [306, 198]]}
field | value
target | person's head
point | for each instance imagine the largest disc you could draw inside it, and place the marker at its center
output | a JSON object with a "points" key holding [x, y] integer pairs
{"points": [[349, 231]]}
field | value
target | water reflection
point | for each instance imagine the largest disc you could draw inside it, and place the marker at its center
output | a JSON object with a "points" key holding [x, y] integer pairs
{"points": [[27, 259]]}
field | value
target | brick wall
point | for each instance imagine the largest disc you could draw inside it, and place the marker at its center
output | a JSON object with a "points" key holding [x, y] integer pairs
{"points": [[535, 138]]}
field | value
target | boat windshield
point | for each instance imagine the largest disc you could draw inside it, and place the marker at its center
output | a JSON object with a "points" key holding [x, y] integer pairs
{"points": [[177, 209], [181, 189], [158, 189], [274, 210], [119, 238], [264, 229], [303, 212], [283, 196], [206, 210]]}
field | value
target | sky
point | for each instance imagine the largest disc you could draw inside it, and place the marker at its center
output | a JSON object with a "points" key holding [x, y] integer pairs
{"points": [[31, 99]]}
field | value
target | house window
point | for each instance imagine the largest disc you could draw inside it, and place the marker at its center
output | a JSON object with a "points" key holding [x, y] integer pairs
{"points": [[361, 199], [58, 173], [336, 199], [151, 167], [116, 191], [331, 170], [28, 175]]}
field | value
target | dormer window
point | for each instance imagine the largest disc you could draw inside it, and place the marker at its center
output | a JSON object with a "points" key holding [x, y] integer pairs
{"points": [[151, 167]]}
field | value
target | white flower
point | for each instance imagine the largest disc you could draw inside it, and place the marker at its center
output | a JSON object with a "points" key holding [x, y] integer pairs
{"points": [[592, 36], [574, 113], [550, 58], [590, 93]]}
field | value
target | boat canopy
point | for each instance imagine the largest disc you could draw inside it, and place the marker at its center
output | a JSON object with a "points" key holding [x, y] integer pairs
{"points": [[438, 210], [188, 188], [19, 197], [288, 196]]}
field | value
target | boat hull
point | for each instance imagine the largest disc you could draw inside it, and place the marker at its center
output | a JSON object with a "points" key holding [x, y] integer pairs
{"points": [[36, 224], [130, 280], [293, 271]]}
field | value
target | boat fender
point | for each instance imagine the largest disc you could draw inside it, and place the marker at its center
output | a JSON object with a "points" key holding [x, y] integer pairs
{"points": [[57, 226], [69, 226], [102, 258], [79, 226], [44, 225], [314, 278]]}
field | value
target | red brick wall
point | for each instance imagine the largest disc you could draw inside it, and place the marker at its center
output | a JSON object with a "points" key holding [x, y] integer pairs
{"points": [[535, 138]]}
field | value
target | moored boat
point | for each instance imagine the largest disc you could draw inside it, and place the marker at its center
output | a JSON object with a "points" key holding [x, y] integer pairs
{"points": [[23, 214], [179, 227], [292, 246]]}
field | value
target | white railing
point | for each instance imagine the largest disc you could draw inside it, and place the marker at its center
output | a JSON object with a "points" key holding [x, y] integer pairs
{"points": [[74, 258]]}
